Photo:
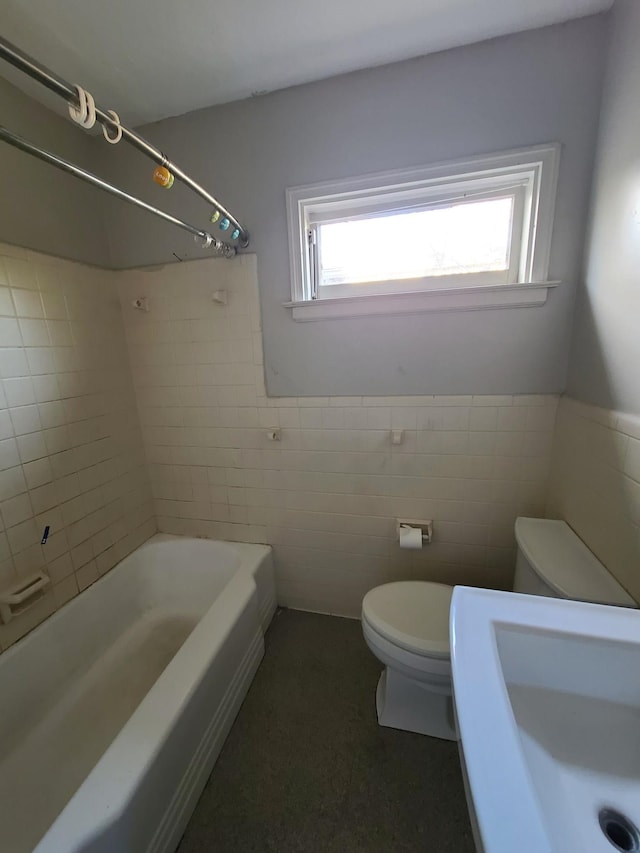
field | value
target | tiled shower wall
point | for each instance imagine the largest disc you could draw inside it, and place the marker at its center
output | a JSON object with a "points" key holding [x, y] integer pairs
{"points": [[326, 495], [71, 455], [595, 484]]}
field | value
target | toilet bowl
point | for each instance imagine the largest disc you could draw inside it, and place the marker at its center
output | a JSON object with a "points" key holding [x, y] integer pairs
{"points": [[406, 623], [406, 626]]}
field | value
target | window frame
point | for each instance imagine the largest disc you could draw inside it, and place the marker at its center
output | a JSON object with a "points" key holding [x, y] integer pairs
{"points": [[418, 284], [534, 169]]}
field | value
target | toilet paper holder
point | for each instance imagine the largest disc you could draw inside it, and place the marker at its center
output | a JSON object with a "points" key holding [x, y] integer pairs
{"points": [[425, 526]]}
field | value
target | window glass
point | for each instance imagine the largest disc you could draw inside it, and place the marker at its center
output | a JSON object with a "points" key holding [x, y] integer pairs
{"points": [[455, 239]]}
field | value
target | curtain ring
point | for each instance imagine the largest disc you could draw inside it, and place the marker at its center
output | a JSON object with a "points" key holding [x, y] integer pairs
{"points": [[85, 113], [204, 240], [118, 135], [91, 112], [79, 113]]}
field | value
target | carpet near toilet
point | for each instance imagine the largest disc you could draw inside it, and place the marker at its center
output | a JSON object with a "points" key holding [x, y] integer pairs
{"points": [[307, 768]]}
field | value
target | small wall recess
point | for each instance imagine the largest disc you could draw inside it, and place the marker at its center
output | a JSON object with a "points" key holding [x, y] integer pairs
{"points": [[21, 596], [274, 434], [407, 525], [141, 303]]}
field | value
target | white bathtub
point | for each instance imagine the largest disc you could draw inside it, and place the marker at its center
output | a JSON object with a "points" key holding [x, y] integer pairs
{"points": [[113, 711]]}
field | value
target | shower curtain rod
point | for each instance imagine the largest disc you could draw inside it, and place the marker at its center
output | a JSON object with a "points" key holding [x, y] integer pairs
{"points": [[25, 63], [23, 144]]}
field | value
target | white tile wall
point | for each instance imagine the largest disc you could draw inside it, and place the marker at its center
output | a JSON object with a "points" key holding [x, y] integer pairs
{"points": [[71, 455], [327, 495], [595, 484]]}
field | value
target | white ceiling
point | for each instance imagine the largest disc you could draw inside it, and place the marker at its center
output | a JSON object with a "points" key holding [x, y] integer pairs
{"points": [[150, 59]]}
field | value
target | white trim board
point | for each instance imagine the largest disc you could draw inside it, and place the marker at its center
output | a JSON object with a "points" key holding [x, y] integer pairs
{"points": [[460, 299]]}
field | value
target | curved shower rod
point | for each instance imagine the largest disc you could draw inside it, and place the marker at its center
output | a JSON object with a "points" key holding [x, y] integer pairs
{"points": [[23, 62], [6, 135]]}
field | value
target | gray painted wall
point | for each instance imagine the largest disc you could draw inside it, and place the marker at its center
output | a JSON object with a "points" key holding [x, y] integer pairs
{"points": [[605, 356], [534, 87], [43, 208], [530, 88]]}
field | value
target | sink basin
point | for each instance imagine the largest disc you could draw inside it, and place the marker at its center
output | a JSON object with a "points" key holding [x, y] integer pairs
{"points": [[547, 695]]}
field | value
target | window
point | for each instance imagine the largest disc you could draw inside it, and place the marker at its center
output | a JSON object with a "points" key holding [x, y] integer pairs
{"points": [[469, 234], [455, 243]]}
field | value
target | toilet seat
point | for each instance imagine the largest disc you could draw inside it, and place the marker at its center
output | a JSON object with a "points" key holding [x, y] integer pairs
{"points": [[413, 615], [417, 665]]}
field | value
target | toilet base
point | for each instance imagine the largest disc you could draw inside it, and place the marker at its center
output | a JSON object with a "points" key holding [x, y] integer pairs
{"points": [[412, 706]]}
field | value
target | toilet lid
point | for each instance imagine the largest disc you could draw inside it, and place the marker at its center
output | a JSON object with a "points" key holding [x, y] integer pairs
{"points": [[411, 614]]}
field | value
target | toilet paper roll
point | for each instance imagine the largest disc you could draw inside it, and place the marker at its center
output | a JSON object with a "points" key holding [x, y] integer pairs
{"points": [[410, 537]]}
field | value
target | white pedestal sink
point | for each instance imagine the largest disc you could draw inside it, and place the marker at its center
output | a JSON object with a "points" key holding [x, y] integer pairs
{"points": [[547, 695]]}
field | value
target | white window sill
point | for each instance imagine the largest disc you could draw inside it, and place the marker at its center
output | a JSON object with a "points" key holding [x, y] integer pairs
{"points": [[459, 299]]}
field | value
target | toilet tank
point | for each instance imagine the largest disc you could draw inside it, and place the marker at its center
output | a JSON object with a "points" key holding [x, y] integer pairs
{"points": [[553, 561]]}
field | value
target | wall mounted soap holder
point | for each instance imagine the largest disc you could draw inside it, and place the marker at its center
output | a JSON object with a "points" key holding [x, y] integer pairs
{"points": [[16, 599]]}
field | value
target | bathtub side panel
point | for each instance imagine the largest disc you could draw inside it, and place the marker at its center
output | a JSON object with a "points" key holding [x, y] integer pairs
{"points": [[264, 576], [203, 733]]}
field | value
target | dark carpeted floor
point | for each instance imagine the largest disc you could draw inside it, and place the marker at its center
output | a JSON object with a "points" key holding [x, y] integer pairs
{"points": [[307, 768]]}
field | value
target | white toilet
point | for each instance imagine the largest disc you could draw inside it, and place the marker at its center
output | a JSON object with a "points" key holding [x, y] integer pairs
{"points": [[406, 624]]}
